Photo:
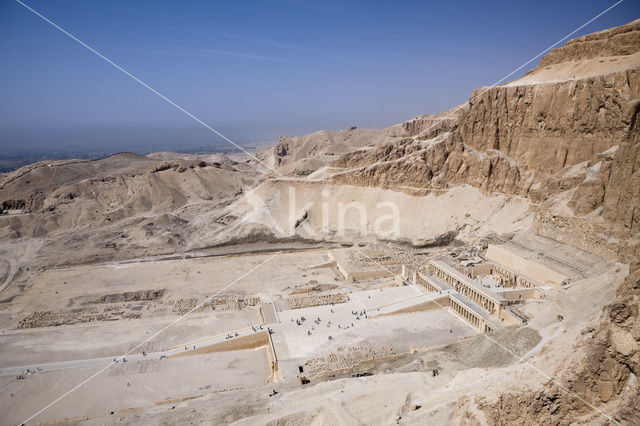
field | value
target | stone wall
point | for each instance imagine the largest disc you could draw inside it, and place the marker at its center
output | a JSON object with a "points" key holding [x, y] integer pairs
{"points": [[520, 265], [305, 301]]}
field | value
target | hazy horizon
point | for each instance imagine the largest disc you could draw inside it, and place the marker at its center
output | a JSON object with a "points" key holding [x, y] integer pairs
{"points": [[257, 70]]}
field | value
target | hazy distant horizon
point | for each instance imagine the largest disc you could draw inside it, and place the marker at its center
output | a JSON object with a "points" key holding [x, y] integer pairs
{"points": [[19, 140], [257, 70], [22, 146]]}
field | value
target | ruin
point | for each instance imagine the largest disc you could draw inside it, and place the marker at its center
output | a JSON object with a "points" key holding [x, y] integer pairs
{"points": [[334, 312], [522, 271]]}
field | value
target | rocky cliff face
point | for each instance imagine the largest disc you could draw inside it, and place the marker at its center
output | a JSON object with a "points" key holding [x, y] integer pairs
{"points": [[532, 140], [547, 127], [580, 138], [575, 140]]}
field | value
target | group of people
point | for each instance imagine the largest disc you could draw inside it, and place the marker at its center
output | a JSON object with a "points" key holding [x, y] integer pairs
{"points": [[27, 372], [318, 320], [359, 314], [299, 321]]}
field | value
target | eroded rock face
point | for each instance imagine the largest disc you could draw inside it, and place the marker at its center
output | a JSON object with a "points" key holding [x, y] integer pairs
{"points": [[516, 140], [615, 188], [588, 196], [622, 190], [547, 127], [619, 41]]}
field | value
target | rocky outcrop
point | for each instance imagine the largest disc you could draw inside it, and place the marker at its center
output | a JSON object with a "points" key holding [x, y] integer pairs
{"points": [[65, 197], [302, 155], [427, 126], [619, 41]]}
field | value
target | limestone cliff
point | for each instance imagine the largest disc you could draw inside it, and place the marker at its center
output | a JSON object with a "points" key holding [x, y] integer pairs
{"points": [[570, 146]]}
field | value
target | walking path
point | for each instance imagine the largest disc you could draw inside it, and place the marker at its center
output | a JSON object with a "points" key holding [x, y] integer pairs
{"points": [[79, 363], [12, 271]]}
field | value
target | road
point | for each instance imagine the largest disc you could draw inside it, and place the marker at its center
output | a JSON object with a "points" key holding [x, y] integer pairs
{"points": [[63, 365], [13, 268], [104, 361]]}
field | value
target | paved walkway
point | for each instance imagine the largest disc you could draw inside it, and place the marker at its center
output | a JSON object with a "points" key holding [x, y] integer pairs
{"points": [[103, 361]]}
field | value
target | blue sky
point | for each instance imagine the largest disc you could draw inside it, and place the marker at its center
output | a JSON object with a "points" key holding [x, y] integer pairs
{"points": [[257, 70]]}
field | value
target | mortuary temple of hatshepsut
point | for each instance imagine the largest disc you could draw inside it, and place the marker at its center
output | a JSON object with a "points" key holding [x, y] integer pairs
{"points": [[311, 315]]}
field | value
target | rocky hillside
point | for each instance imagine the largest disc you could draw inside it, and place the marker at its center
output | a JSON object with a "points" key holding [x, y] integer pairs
{"points": [[302, 155], [125, 205]]}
